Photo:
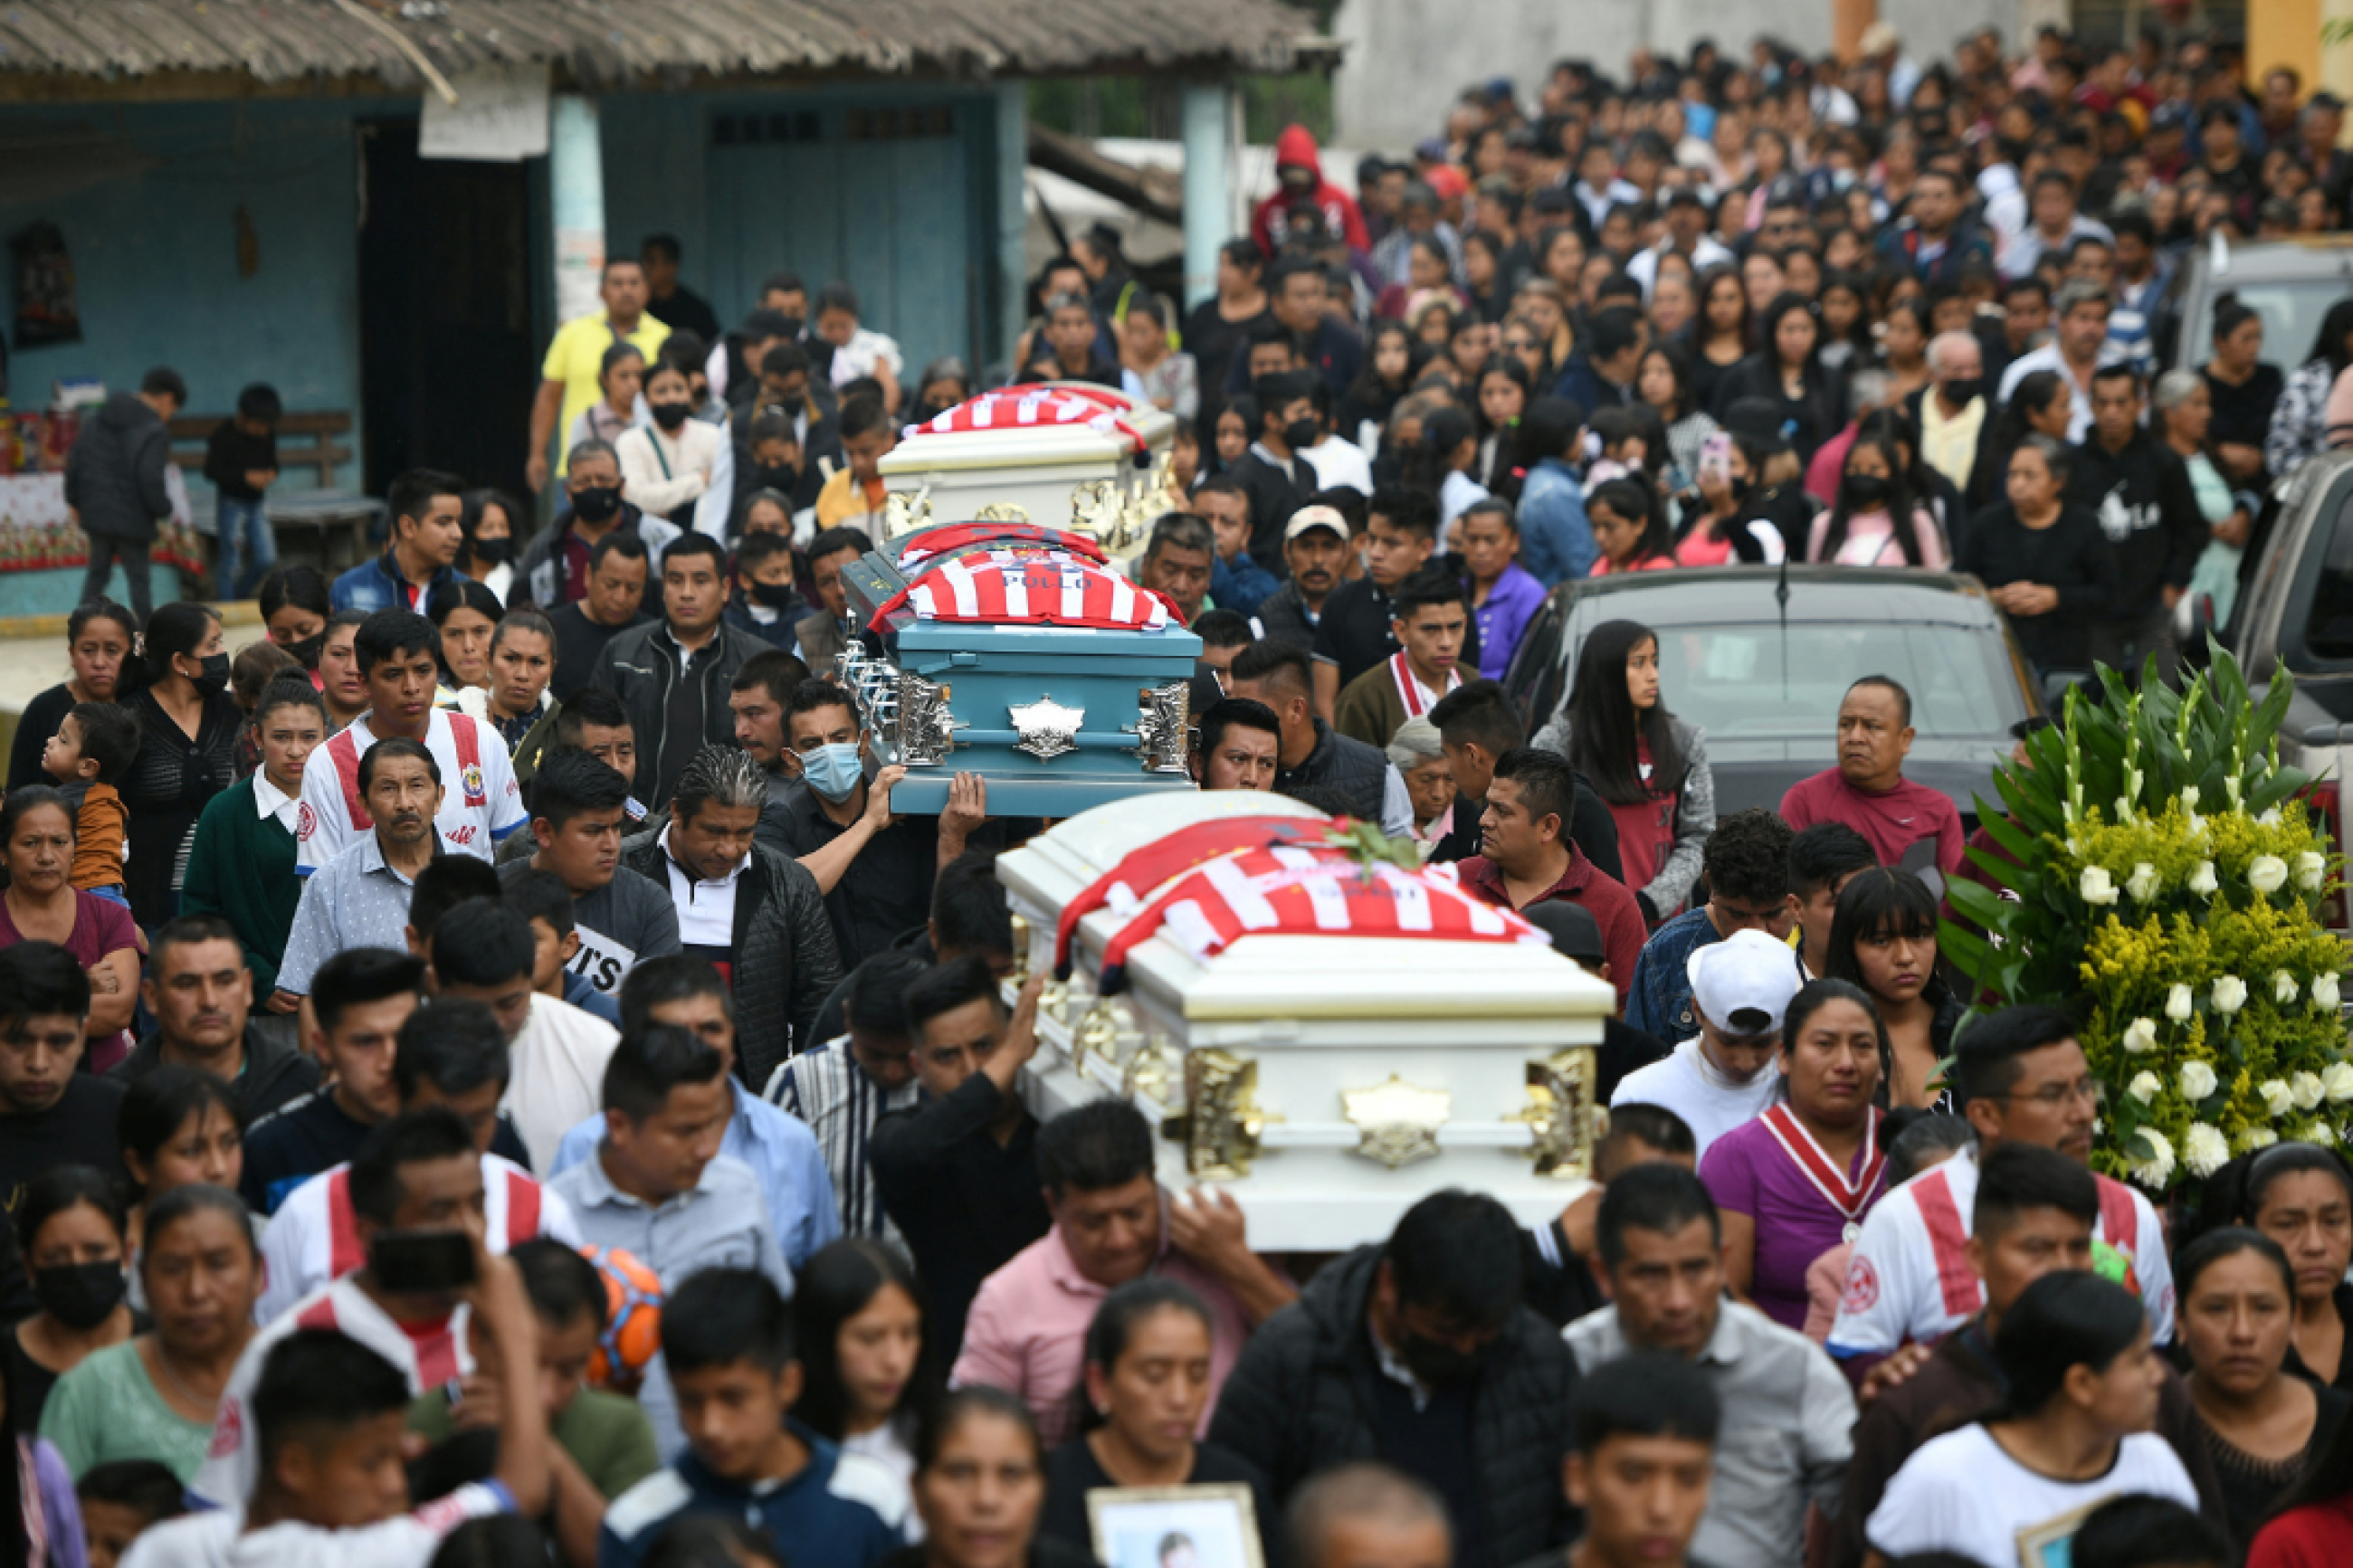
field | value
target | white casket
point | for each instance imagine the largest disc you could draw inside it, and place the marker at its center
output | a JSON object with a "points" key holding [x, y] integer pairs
{"points": [[1329, 1080], [1066, 454]]}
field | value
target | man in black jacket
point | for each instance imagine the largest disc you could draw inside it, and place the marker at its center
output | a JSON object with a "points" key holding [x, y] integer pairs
{"points": [[673, 674], [1273, 473], [753, 912], [114, 482], [1314, 755], [1418, 1352], [2139, 490], [1476, 725]]}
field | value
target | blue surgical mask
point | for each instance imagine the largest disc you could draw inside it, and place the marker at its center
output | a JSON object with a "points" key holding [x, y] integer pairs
{"points": [[832, 771]]}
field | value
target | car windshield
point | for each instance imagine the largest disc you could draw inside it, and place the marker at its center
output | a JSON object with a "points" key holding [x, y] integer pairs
{"points": [[1758, 682], [2292, 313]]}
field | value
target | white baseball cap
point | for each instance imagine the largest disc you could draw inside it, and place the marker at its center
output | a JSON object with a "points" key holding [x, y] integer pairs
{"points": [[1313, 517], [1742, 983]]}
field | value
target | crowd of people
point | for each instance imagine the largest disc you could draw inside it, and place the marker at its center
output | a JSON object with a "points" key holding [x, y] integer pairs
{"points": [[487, 1075]]}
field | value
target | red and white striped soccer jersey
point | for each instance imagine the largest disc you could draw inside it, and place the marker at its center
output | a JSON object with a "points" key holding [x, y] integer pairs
{"points": [[1006, 587], [428, 1355], [480, 802], [313, 1239]]}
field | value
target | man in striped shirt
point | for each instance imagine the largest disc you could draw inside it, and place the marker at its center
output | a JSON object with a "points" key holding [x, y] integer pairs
{"points": [[842, 1088]]}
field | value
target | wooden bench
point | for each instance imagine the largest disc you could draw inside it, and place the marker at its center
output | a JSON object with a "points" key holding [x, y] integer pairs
{"points": [[308, 451]]}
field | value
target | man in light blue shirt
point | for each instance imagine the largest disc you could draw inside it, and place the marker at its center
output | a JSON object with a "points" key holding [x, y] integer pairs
{"points": [[781, 1153]]}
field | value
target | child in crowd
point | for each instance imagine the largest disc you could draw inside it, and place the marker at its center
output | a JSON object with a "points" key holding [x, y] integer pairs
{"points": [[241, 461], [121, 1501], [771, 455], [853, 497], [727, 1340], [93, 748], [545, 904]]}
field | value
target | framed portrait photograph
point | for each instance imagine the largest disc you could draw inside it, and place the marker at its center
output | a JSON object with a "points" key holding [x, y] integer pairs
{"points": [[1209, 1526]]}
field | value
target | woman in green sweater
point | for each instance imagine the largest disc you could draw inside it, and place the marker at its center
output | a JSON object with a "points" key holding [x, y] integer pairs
{"points": [[241, 862]]}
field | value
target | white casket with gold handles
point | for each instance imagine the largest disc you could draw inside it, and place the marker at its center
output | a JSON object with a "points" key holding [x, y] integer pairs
{"points": [[1309, 1023], [1057, 454]]}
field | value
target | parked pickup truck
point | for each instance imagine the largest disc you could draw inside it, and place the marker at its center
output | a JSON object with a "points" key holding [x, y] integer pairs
{"points": [[2295, 614]]}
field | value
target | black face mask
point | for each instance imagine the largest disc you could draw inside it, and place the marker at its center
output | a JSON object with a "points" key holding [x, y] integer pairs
{"points": [[1865, 492], [772, 596], [670, 416], [1434, 1363], [79, 1295], [597, 504], [216, 674], [1961, 391], [794, 327], [306, 651], [494, 551], [783, 480], [1300, 433]]}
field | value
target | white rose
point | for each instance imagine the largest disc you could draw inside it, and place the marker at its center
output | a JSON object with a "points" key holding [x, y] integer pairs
{"points": [[2321, 1133], [2266, 874], [2230, 994], [2202, 880], [2307, 1089], [2189, 797], [2311, 869], [2269, 819], [2255, 1138], [2180, 1005], [2278, 1099], [2145, 1087], [2140, 1035], [2197, 1081], [2324, 992], [2337, 1082], [2099, 887], [2144, 882], [2204, 1150], [2284, 987], [2149, 1158]]}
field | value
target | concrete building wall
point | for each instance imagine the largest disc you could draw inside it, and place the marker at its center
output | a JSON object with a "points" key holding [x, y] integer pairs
{"points": [[156, 252], [1407, 60]]}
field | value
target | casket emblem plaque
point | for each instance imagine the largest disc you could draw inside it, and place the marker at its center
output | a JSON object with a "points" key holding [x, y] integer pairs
{"points": [[1046, 729], [1561, 1113], [1163, 728], [1399, 1120], [1221, 1124]]}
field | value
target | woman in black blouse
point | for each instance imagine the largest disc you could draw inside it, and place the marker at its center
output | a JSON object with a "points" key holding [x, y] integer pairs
{"points": [[187, 754], [1787, 370], [99, 637], [2244, 390], [2046, 563]]}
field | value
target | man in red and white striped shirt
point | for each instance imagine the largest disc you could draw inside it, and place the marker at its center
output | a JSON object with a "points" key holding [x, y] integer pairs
{"points": [[419, 1172], [452, 1055]]}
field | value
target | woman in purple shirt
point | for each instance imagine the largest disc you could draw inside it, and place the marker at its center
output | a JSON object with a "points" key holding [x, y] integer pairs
{"points": [[1796, 1180]]}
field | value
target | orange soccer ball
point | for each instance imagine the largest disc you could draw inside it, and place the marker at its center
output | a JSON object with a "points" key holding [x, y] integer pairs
{"points": [[633, 1305]]}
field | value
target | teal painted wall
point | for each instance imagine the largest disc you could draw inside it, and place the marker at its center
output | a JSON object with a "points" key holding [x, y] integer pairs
{"points": [[154, 254]]}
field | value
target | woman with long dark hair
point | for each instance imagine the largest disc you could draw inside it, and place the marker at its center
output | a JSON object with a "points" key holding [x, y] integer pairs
{"points": [[69, 1228], [466, 613], [294, 609], [1663, 379], [1648, 765], [2039, 405], [1146, 1393], [1720, 337], [1630, 528], [2301, 1195], [980, 1487], [1787, 370], [2075, 1430], [860, 1313], [1440, 463], [493, 523], [1876, 519], [1505, 393], [100, 638], [2261, 1426], [188, 753], [2243, 388], [1883, 942], [178, 1128], [1797, 1182], [1392, 359], [1903, 335], [2299, 427]]}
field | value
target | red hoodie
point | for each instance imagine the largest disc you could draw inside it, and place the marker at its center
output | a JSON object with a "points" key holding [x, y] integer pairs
{"points": [[1296, 148]]}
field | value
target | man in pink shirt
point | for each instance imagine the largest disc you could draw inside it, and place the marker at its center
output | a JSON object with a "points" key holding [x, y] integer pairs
{"points": [[1028, 1330], [1868, 791]]}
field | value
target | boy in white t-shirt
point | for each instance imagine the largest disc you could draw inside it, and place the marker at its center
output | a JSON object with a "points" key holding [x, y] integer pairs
{"points": [[1724, 1078], [330, 1426], [2083, 1387]]}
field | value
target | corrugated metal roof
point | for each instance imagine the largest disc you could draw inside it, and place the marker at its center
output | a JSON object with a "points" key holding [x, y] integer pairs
{"points": [[605, 42]]}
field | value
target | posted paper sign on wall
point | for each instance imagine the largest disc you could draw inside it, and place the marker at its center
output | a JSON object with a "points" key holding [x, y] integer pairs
{"points": [[501, 117]]}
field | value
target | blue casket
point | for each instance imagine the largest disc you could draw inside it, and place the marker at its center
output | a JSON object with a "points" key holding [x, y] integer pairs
{"points": [[1020, 654]]}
